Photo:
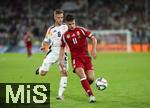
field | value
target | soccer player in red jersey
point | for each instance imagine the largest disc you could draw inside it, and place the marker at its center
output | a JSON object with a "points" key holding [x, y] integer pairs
{"points": [[76, 38], [28, 43]]}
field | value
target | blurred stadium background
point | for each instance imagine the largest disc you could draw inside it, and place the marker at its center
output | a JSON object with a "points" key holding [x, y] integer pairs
{"points": [[131, 16]]}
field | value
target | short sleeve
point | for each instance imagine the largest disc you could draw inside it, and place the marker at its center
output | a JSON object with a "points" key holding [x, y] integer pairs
{"points": [[86, 32], [48, 34]]}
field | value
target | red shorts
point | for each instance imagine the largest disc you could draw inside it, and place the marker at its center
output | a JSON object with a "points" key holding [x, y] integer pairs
{"points": [[82, 61]]}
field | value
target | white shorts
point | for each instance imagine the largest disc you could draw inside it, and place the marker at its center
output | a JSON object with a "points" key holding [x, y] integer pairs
{"points": [[52, 58]]}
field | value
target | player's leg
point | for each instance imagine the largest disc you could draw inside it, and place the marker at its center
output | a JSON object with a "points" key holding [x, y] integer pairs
{"points": [[85, 84], [43, 69], [79, 70], [90, 76], [47, 63], [29, 51], [63, 79], [62, 85], [89, 70]]}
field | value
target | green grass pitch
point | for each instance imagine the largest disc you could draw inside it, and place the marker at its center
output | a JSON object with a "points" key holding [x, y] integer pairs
{"points": [[128, 78]]}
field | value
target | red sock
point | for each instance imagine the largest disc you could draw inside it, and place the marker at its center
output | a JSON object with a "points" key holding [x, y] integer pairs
{"points": [[86, 86]]}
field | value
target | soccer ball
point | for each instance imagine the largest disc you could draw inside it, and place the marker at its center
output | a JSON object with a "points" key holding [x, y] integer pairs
{"points": [[101, 83]]}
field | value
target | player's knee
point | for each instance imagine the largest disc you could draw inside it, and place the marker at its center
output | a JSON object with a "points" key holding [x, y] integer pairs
{"points": [[80, 72], [43, 73], [64, 73], [91, 80]]}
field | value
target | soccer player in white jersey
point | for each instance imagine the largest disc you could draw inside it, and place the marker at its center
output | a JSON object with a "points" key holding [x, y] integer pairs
{"points": [[51, 44]]}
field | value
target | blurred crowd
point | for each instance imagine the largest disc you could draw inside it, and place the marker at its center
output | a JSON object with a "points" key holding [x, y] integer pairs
{"points": [[18, 17]]}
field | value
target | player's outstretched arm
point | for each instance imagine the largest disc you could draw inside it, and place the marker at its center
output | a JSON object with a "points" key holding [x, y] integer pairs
{"points": [[94, 44]]}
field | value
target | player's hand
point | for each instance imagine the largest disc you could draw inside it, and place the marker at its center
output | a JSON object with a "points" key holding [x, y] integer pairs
{"points": [[41, 48], [93, 53]]}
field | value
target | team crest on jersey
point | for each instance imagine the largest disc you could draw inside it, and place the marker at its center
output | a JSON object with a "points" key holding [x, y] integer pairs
{"points": [[68, 36], [78, 34]]}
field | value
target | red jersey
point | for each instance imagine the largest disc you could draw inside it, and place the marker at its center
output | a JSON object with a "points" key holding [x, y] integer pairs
{"points": [[77, 41], [28, 40]]}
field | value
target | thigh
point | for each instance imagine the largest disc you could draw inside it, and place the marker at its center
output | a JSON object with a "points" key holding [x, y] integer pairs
{"points": [[90, 75], [50, 59], [88, 63], [80, 72], [77, 63], [45, 65]]}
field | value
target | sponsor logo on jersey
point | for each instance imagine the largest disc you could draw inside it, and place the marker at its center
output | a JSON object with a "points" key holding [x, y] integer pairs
{"points": [[55, 31], [73, 35]]}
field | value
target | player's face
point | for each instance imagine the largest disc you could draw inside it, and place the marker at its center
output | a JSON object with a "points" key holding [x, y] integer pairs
{"points": [[71, 24], [58, 18]]}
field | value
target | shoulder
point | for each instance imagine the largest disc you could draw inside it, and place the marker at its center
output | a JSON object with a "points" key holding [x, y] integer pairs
{"points": [[82, 28], [66, 32], [50, 28], [49, 31], [64, 25], [85, 30]]}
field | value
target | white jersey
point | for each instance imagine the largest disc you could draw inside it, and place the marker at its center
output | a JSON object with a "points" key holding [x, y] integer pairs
{"points": [[53, 37], [54, 34]]}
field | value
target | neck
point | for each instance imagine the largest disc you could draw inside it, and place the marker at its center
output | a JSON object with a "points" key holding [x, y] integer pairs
{"points": [[56, 24]]}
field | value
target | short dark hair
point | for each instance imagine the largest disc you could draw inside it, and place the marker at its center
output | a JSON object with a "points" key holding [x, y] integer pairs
{"points": [[69, 17], [58, 11]]}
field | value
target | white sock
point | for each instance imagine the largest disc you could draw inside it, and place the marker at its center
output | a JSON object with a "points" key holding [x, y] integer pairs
{"points": [[62, 85]]}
